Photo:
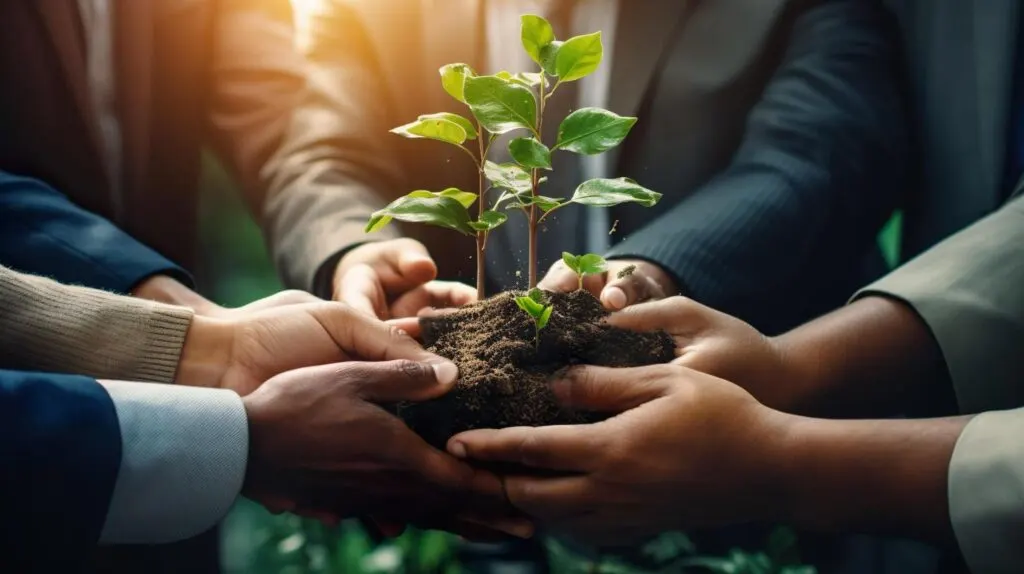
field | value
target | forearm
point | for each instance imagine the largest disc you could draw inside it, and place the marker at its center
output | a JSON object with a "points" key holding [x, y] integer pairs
{"points": [[883, 477], [874, 357]]}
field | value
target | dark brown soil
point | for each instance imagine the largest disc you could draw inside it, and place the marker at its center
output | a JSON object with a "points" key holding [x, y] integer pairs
{"points": [[503, 378]]}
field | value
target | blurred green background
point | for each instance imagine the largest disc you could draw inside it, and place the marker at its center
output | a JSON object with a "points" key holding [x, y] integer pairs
{"points": [[236, 270]]}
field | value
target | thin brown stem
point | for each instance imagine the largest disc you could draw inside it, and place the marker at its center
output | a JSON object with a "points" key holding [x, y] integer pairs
{"points": [[481, 199], [535, 173]]}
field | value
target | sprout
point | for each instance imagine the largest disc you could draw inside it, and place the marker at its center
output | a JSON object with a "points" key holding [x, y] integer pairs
{"points": [[583, 265], [537, 307]]}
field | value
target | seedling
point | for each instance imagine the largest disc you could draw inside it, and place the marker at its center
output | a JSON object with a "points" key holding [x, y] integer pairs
{"points": [[538, 308], [583, 265], [507, 102]]}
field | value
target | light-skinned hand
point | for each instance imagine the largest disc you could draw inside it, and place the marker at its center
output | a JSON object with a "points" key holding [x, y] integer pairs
{"points": [[639, 281]]}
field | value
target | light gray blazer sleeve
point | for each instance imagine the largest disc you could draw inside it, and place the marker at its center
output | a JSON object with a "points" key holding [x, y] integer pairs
{"points": [[986, 492], [183, 459], [969, 289]]}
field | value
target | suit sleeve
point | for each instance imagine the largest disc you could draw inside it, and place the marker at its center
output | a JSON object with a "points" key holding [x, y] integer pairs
{"points": [[43, 233], [969, 290], [986, 492], [820, 167], [61, 453]]}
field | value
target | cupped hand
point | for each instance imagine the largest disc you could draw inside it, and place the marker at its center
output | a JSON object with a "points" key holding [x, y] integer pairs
{"points": [[721, 345], [319, 440], [394, 278], [625, 282], [686, 450]]}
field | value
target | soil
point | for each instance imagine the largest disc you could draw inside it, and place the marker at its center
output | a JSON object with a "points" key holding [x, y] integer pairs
{"points": [[503, 377]]}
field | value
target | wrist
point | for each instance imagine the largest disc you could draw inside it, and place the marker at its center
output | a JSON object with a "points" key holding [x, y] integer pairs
{"points": [[799, 373], [206, 355]]}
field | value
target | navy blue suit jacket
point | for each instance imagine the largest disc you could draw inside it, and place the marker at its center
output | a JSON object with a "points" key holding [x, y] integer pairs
{"points": [[60, 452], [43, 233]]}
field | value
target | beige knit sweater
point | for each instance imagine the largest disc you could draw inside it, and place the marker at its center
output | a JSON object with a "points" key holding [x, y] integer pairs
{"points": [[47, 326]]}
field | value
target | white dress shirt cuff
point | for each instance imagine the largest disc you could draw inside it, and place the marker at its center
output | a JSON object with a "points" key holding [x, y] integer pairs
{"points": [[986, 492], [183, 459]]}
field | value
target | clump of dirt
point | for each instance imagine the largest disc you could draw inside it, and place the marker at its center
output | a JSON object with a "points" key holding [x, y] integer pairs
{"points": [[503, 378]]}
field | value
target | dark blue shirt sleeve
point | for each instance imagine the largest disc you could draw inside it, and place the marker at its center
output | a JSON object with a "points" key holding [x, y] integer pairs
{"points": [[43, 233], [61, 451]]}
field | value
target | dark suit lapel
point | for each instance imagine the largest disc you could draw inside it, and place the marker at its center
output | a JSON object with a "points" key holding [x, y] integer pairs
{"points": [[64, 26], [133, 51], [995, 42]]}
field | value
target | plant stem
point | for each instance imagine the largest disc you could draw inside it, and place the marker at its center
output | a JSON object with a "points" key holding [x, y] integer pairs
{"points": [[533, 189], [481, 236]]}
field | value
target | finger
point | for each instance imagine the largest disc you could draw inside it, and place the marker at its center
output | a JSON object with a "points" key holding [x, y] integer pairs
{"points": [[559, 279], [570, 448], [674, 314], [280, 299], [613, 390], [441, 469], [404, 264], [549, 499], [361, 289], [620, 293], [400, 380], [370, 339], [513, 526], [411, 325], [435, 294]]}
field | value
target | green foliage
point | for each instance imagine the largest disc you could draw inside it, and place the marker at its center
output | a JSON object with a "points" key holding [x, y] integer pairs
{"points": [[607, 192], [500, 105], [578, 57], [444, 126], [443, 208], [583, 265], [535, 304], [530, 153], [488, 220], [536, 34], [592, 130], [453, 79], [508, 176]]}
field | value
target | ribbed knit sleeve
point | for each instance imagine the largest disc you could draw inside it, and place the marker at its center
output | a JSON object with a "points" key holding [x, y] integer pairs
{"points": [[47, 326]]}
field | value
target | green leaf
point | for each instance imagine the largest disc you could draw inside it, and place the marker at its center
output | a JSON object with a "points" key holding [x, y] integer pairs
{"points": [[531, 78], [549, 57], [439, 210], [608, 192], [453, 79], [501, 106], [489, 220], [592, 130], [464, 197], [507, 176], [537, 295], [592, 264], [530, 153], [462, 121], [536, 34], [571, 261], [532, 308], [440, 127], [578, 57], [545, 203], [545, 315]]}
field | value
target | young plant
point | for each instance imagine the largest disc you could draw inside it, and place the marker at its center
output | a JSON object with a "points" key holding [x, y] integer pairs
{"points": [[535, 304], [583, 265], [507, 102]]}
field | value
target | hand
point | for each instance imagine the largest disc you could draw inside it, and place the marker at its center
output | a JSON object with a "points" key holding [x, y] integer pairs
{"points": [[241, 352], [319, 440], [687, 450], [168, 290], [393, 279], [721, 345], [618, 287]]}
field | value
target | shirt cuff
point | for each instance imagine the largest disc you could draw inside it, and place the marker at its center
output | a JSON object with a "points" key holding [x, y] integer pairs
{"points": [[184, 452], [986, 492]]}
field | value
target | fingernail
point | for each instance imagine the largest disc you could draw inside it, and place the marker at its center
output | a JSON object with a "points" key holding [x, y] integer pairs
{"points": [[615, 297], [446, 372], [457, 449]]}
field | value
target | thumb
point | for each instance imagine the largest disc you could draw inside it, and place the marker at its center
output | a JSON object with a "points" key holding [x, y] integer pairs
{"points": [[402, 380], [612, 390], [368, 338], [413, 265], [673, 315]]}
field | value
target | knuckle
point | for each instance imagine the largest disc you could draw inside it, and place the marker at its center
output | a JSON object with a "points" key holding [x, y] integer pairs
{"points": [[528, 450], [412, 369]]}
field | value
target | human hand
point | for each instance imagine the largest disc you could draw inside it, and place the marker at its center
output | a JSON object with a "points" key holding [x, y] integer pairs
{"points": [[319, 443], [687, 450], [171, 291], [627, 281], [721, 345], [393, 279], [241, 352]]}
